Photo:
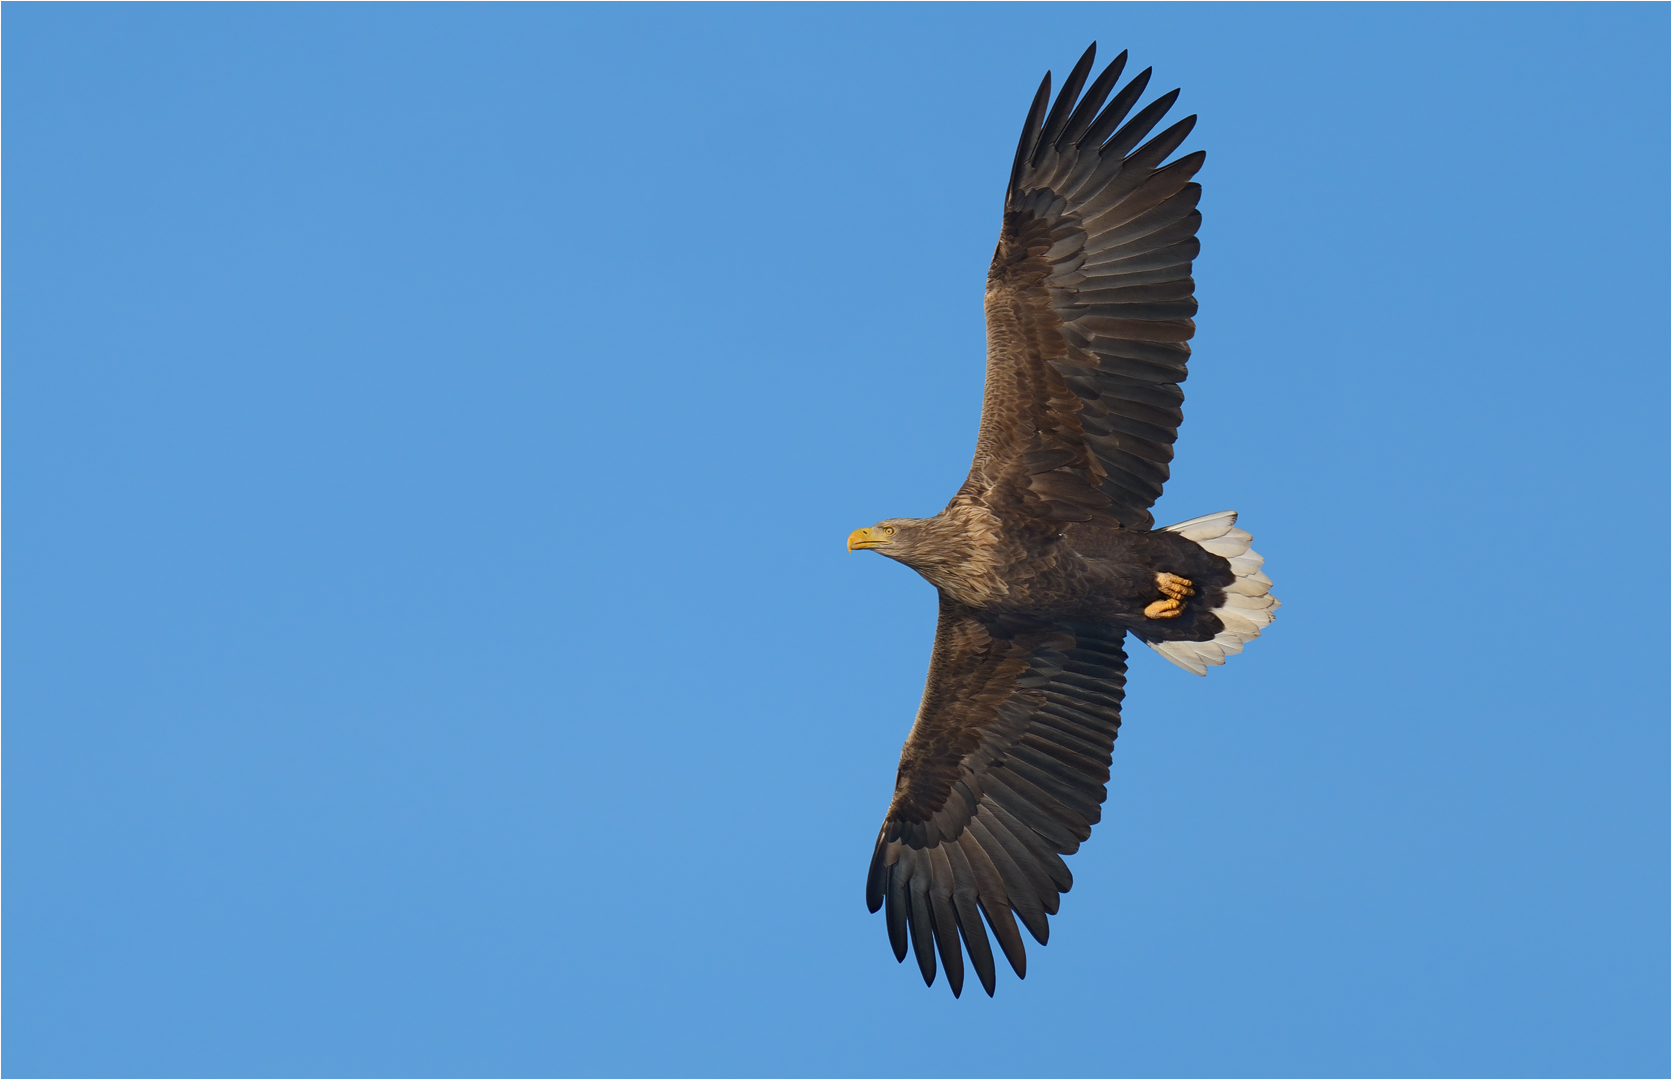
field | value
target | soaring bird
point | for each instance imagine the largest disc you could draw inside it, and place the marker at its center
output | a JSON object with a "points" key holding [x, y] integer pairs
{"points": [[1047, 557]]}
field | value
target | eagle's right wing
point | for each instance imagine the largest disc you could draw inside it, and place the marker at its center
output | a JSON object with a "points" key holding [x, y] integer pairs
{"points": [[1002, 775]]}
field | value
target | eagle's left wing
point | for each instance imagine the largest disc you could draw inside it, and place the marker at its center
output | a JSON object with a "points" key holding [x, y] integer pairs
{"points": [[1089, 309], [1002, 775]]}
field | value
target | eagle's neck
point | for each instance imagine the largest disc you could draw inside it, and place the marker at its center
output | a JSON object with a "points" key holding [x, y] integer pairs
{"points": [[963, 555]]}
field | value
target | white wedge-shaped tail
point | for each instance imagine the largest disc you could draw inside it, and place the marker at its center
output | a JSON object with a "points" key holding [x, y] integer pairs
{"points": [[1249, 605]]}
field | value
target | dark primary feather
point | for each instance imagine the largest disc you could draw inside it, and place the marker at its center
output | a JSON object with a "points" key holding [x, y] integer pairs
{"points": [[965, 898], [1087, 110], [1139, 126], [1060, 112], [1110, 118], [1030, 130]]}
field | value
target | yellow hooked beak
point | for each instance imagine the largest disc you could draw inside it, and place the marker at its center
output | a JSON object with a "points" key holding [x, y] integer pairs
{"points": [[860, 539]]}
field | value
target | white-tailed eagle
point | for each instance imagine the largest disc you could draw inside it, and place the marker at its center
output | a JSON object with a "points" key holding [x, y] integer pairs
{"points": [[1048, 557]]}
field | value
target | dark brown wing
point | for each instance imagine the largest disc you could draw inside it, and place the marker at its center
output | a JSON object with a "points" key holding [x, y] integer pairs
{"points": [[1089, 306], [1001, 776]]}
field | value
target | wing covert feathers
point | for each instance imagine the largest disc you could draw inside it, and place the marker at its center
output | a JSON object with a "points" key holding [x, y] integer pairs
{"points": [[1090, 307], [1002, 775]]}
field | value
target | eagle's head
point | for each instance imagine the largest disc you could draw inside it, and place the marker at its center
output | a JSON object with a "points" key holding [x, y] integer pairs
{"points": [[956, 550], [893, 537], [920, 543]]}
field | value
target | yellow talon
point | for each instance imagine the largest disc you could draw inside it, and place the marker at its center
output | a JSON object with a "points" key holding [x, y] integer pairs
{"points": [[1173, 586], [1164, 609], [1174, 589]]}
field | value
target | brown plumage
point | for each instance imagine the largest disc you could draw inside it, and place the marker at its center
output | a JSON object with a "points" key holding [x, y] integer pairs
{"points": [[1047, 556]]}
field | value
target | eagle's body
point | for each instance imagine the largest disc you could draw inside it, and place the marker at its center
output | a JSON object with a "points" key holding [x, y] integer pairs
{"points": [[1080, 571], [1047, 556]]}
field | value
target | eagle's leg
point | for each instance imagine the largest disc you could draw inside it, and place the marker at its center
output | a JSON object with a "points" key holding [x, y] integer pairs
{"points": [[1175, 589]]}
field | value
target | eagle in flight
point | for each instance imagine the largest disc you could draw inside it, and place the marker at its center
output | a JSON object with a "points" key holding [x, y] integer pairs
{"points": [[1048, 556]]}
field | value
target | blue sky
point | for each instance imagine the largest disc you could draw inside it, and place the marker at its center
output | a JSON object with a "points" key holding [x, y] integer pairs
{"points": [[430, 435]]}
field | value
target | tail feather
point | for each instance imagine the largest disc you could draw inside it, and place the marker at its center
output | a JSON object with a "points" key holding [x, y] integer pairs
{"points": [[1249, 606]]}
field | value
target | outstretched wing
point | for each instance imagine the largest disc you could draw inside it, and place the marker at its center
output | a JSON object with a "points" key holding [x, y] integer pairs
{"points": [[1089, 308], [1002, 775]]}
